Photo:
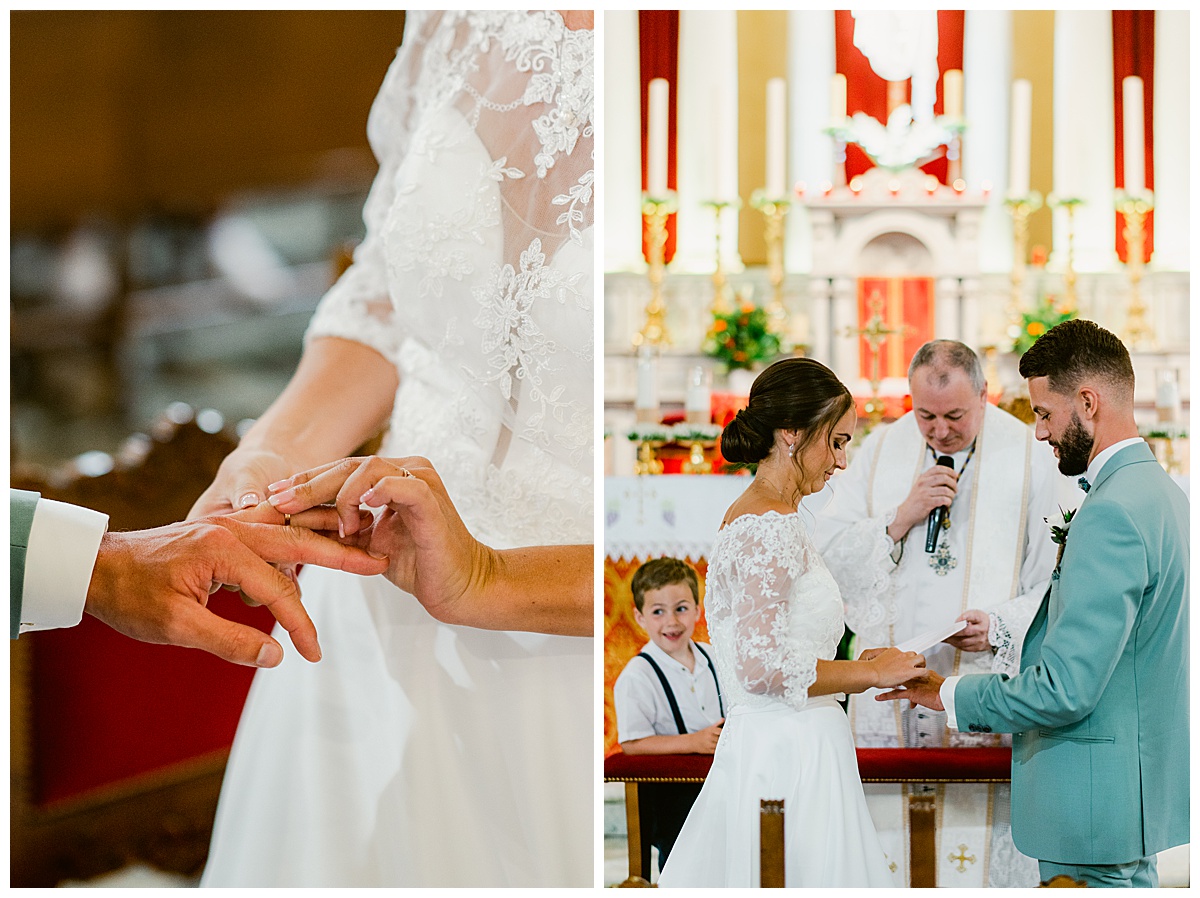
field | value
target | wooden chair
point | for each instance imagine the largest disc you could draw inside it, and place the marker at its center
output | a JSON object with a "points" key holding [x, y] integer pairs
{"points": [[118, 748]]}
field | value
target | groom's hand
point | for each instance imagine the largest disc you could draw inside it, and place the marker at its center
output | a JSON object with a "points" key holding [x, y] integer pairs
{"points": [[920, 692], [153, 585]]}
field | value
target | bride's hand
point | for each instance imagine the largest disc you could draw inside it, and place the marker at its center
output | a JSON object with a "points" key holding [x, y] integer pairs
{"points": [[432, 554], [870, 654], [242, 481], [893, 667]]}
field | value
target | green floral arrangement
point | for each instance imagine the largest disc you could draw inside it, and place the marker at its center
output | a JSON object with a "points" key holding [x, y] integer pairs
{"points": [[742, 338], [1034, 323]]}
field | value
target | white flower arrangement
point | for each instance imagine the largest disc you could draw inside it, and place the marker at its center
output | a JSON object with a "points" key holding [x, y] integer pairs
{"points": [[648, 432]]}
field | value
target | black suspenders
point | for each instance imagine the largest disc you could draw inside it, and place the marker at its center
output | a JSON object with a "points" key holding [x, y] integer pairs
{"points": [[662, 678]]}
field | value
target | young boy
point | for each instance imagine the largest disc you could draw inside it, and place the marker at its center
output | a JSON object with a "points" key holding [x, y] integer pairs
{"points": [[667, 698]]}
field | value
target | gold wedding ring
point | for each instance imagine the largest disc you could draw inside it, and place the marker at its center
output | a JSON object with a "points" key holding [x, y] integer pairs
{"points": [[287, 520], [405, 472]]}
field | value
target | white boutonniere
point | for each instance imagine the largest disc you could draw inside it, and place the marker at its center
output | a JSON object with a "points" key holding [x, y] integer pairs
{"points": [[1060, 525]]}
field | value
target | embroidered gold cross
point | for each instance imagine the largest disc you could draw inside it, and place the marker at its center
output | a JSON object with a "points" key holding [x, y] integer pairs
{"points": [[963, 858]]}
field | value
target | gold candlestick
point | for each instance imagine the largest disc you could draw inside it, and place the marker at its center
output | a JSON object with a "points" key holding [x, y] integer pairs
{"points": [[1135, 208], [655, 210], [774, 209], [1019, 207], [876, 333], [722, 303], [1068, 204], [647, 462]]}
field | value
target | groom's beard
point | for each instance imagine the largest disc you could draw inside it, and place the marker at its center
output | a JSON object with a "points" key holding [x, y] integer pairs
{"points": [[1074, 448]]}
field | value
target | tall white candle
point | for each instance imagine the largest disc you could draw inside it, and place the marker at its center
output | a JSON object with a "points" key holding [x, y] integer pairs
{"points": [[1135, 146], [646, 399], [837, 100], [952, 93], [656, 138], [1022, 127], [776, 138]]}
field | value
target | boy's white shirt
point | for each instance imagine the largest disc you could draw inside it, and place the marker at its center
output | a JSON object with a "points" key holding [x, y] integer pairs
{"points": [[641, 705]]}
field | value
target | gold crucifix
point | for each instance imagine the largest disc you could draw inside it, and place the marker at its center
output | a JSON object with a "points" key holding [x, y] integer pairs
{"points": [[875, 332]]}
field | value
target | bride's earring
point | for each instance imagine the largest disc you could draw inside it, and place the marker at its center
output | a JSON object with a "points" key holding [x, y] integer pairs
{"points": [[792, 451]]}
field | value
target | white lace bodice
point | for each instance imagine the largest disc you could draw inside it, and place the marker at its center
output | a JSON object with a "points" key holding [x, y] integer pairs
{"points": [[773, 609], [475, 276]]}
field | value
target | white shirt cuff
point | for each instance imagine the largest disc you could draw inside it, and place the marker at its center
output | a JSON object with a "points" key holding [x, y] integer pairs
{"points": [[946, 694], [63, 543]]}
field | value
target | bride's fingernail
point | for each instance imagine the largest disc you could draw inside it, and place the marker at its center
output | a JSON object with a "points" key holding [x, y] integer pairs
{"points": [[278, 485], [248, 500], [341, 529], [280, 498], [367, 496]]}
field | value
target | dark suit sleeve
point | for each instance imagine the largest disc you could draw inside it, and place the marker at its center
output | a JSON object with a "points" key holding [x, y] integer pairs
{"points": [[21, 506], [1104, 576]]}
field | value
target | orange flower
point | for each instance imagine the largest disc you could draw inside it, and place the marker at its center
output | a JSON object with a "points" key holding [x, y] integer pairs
{"points": [[730, 343], [739, 356], [1035, 329], [719, 325], [747, 308]]}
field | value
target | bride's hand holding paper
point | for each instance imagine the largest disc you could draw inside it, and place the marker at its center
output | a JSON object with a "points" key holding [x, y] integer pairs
{"points": [[433, 555], [892, 666]]}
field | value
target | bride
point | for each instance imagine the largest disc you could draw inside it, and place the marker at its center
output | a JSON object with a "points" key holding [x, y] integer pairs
{"points": [[775, 618], [425, 750]]}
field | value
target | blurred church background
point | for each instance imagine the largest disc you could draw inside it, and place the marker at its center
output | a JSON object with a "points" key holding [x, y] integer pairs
{"points": [[848, 185], [184, 187]]}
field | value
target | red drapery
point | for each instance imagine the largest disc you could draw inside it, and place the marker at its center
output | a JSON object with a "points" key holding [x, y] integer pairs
{"points": [[658, 44], [1133, 54], [867, 92]]}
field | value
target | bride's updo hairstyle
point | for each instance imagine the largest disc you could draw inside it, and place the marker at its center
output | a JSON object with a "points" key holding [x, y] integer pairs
{"points": [[792, 394]]}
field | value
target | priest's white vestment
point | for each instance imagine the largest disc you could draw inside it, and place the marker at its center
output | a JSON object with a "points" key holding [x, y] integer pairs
{"points": [[995, 556]]}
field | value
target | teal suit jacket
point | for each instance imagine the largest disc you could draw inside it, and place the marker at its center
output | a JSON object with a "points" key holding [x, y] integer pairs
{"points": [[1100, 707], [21, 505]]}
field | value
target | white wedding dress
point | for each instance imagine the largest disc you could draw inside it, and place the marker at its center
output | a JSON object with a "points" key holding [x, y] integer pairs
{"points": [[416, 753], [773, 609]]}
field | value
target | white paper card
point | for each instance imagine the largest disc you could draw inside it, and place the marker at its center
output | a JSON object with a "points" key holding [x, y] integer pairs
{"points": [[928, 640]]}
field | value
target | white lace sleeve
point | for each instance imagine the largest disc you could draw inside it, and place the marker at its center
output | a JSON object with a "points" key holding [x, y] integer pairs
{"points": [[778, 621]]}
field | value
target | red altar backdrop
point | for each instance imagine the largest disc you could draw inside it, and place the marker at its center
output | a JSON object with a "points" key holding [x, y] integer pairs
{"points": [[908, 306], [867, 92], [658, 45], [1133, 54]]}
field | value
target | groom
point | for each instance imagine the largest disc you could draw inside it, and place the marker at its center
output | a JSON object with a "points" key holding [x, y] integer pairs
{"points": [[1100, 707]]}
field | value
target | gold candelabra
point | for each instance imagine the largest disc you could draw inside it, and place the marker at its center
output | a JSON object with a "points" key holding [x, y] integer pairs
{"points": [[722, 303], [876, 332], [1135, 208], [1068, 204], [655, 210], [1020, 208], [647, 462], [774, 209]]}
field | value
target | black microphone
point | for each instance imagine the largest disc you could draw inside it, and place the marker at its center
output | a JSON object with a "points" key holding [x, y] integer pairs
{"points": [[938, 515]]}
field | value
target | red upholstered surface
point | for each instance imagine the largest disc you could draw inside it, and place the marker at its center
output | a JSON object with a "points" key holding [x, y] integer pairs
{"points": [[889, 765], [107, 708]]}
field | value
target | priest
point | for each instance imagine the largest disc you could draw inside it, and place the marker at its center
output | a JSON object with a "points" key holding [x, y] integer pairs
{"points": [[941, 517]]}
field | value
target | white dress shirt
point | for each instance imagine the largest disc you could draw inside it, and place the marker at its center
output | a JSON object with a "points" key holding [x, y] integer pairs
{"points": [[63, 543], [641, 705]]}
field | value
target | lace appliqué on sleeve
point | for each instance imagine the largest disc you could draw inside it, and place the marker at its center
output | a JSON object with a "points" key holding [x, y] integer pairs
{"points": [[1007, 625]]}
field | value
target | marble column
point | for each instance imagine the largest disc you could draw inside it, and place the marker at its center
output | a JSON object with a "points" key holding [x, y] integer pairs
{"points": [[708, 138], [987, 53], [1083, 136], [811, 64], [1172, 124], [622, 178]]}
